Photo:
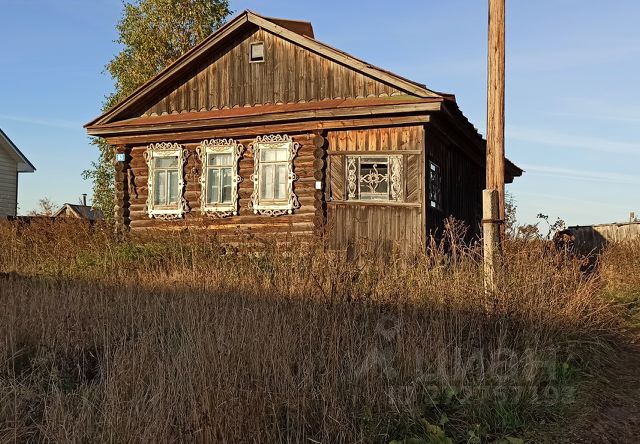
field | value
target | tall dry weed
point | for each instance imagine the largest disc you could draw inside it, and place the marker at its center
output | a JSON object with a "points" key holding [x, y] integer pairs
{"points": [[179, 338]]}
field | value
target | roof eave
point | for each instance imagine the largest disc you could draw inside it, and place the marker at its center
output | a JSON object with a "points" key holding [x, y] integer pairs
{"points": [[23, 164], [453, 111], [176, 123]]}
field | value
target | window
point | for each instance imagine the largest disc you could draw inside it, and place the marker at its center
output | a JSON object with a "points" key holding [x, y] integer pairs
{"points": [[165, 198], [256, 52], [219, 180], [273, 175], [435, 186], [374, 178]]}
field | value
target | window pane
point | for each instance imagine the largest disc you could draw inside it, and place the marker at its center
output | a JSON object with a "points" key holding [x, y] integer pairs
{"points": [[282, 154], [266, 181], [274, 154], [166, 162], [374, 178], [159, 187], [267, 155], [226, 185], [280, 182], [257, 51], [174, 193], [213, 185], [220, 159]]}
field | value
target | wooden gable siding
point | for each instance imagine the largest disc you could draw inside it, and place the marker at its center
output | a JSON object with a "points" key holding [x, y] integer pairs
{"points": [[289, 74], [8, 184], [462, 184], [132, 195], [387, 225]]}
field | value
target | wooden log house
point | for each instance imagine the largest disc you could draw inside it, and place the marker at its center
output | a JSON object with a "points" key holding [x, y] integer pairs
{"points": [[262, 129]]}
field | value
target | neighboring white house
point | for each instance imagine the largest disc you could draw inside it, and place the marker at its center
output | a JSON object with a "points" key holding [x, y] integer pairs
{"points": [[12, 162]]}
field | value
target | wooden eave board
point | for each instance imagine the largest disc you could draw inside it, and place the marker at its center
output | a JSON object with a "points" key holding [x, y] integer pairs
{"points": [[274, 114], [460, 121]]}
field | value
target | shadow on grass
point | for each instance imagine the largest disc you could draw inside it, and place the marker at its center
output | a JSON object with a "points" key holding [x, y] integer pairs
{"points": [[201, 360]]}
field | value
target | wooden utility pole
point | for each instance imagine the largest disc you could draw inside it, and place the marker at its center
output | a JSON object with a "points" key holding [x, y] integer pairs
{"points": [[493, 196]]}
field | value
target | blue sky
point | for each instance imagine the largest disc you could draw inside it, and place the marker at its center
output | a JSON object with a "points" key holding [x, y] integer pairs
{"points": [[573, 103]]}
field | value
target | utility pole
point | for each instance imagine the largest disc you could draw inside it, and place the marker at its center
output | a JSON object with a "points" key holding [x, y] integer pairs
{"points": [[493, 195]]}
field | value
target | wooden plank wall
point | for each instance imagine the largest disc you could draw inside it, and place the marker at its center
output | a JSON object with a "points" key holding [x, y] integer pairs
{"points": [[8, 184], [398, 138], [384, 224], [389, 227], [462, 184], [289, 74], [300, 222]]}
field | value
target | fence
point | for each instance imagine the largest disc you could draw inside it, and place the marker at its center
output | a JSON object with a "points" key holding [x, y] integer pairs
{"points": [[595, 237]]}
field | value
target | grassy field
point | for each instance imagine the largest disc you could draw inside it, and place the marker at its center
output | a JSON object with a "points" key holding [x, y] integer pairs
{"points": [[179, 339]]}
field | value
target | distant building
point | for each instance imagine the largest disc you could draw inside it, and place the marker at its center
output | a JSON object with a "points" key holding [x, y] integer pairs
{"points": [[12, 162], [79, 211]]}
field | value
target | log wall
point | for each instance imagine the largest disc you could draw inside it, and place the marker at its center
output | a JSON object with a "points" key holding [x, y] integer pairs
{"points": [[133, 205]]}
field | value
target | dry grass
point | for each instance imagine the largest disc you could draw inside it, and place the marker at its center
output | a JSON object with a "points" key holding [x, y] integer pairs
{"points": [[620, 271], [180, 339]]}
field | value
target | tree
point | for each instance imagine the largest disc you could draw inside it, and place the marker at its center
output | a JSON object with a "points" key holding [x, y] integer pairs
{"points": [[46, 207], [153, 33]]}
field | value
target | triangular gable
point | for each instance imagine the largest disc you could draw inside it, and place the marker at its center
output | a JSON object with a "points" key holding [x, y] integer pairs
{"points": [[24, 166], [216, 73]]}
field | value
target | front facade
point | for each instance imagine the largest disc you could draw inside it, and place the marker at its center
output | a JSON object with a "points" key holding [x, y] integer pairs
{"points": [[12, 162], [263, 130]]}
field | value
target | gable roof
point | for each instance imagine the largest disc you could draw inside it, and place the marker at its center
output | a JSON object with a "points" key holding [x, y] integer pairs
{"points": [[80, 211], [24, 166], [298, 32]]}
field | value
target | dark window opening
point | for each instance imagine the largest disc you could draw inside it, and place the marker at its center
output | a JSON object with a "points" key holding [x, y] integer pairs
{"points": [[435, 186], [256, 52]]}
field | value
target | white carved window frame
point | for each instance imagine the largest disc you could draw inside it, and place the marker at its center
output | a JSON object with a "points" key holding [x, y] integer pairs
{"points": [[356, 180], [220, 146], [166, 149], [271, 208]]}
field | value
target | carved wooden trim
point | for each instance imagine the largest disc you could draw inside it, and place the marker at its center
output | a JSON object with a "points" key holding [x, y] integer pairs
{"points": [[265, 143], [229, 146], [165, 149], [394, 177]]}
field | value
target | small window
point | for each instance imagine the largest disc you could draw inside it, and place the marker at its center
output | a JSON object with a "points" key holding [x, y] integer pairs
{"points": [[256, 52], [219, 180], [273, 175], [435, 186], [165, 198], [374, 178]]}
